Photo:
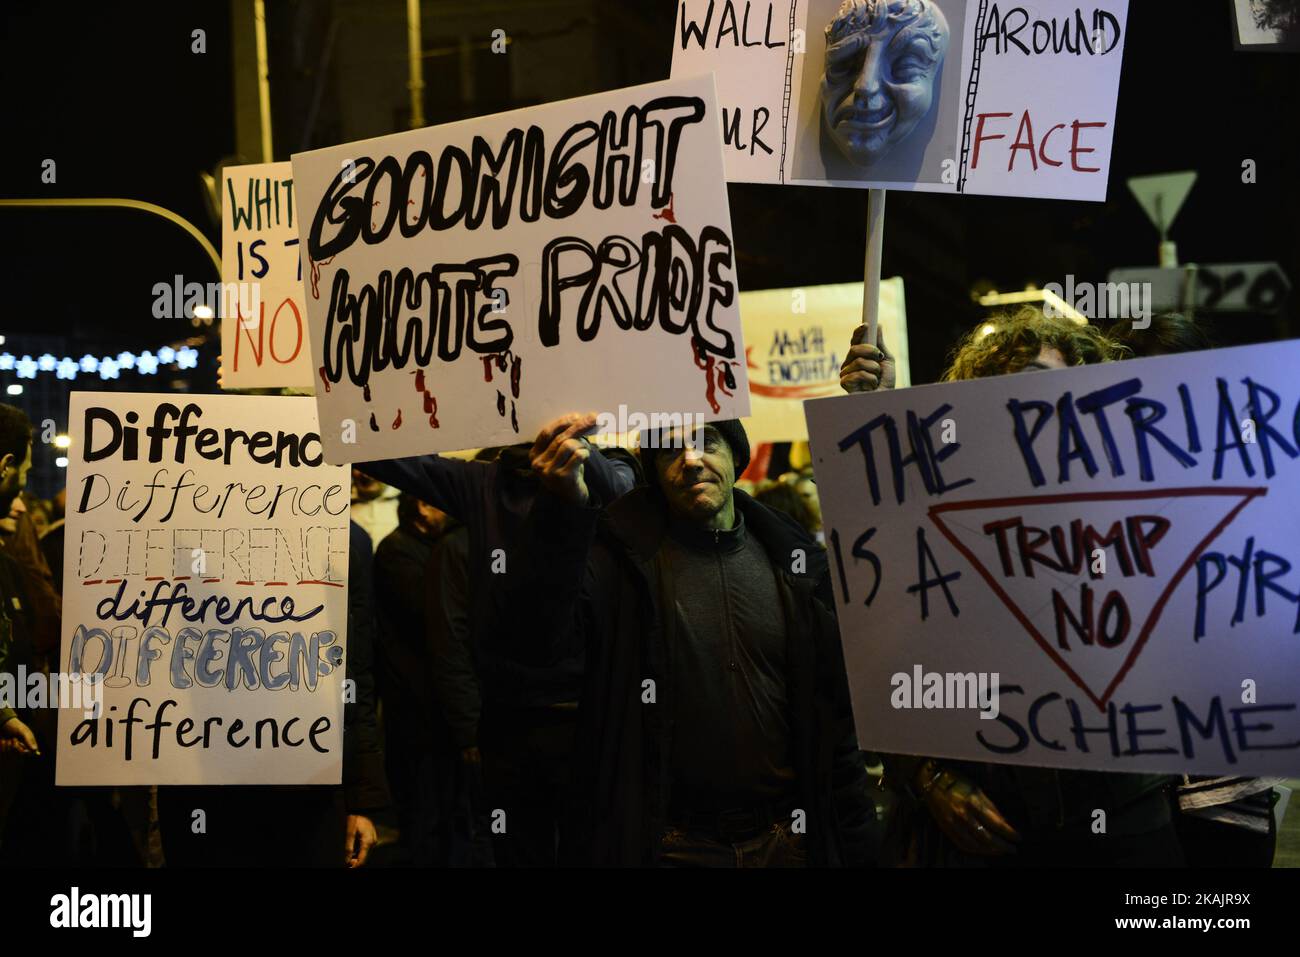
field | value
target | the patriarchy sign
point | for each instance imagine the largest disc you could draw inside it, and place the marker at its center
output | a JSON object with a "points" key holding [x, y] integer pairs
{"points": [[205, 584], [468, 282], [1111, 549], [264, 325], [938, 95]]}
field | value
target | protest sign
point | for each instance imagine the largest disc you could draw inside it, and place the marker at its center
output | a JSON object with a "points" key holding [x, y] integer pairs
{"points": [[933, 95], [205, 581], [751, 48], [263, 321], [1086, 568], [794, 346], [469, 282]]}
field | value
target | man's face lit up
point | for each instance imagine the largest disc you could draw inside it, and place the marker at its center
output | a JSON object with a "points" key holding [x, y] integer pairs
{"points": [[882, 58], [696, 479]]}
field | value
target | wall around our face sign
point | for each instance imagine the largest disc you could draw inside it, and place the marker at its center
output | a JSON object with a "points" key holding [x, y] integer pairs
{"points": [[919, 158]]}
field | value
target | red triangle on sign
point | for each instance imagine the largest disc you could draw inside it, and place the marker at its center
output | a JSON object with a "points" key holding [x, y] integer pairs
{"points": [[1091, 615]]}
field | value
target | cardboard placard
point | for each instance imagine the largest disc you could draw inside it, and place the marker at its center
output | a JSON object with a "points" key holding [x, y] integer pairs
{"points": [[263, 320], [205, 580], [469, 282], [795, 340], [1112, 547], [935, 95]]}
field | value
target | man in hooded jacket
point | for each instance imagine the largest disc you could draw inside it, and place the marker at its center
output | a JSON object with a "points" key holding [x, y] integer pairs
{"points": [[715, 727]]}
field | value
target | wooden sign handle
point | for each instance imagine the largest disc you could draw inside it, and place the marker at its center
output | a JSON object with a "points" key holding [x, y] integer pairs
{"points": [[871, 269]]}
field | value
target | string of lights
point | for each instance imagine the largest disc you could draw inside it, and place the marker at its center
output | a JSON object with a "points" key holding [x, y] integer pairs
{"points": [[108, 367]]}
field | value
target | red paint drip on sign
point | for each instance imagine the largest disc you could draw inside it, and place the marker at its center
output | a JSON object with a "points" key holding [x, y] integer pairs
{"points": [[667, 214], [315, 275], [705, 362]]}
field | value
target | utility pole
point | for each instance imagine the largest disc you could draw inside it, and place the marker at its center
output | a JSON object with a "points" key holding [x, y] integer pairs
{"points": [[252, 81]]}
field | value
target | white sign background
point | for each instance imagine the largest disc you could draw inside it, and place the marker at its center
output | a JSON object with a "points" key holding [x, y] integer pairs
{"points": [[795, 341], [1152, 687], [471, 400], [218, 537], [749, 49], [259, 234], [1046, 93]]}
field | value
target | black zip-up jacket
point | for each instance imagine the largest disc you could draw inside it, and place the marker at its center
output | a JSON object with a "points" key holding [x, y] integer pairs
{"points": [[596, 581], [492, 500]]}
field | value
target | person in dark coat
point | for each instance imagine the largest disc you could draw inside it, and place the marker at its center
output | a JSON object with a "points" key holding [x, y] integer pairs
{"points": [[365, 789], [492, 499], [418, 752], [17, 625], [27, 818], [528, 709], [716, 727], [460, 700]]}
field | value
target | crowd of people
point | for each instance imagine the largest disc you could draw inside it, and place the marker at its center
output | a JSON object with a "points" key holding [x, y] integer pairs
{"points": [[572, 655]]}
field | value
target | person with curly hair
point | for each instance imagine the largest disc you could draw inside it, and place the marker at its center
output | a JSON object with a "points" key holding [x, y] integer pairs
{"points": [[1026, 340]]}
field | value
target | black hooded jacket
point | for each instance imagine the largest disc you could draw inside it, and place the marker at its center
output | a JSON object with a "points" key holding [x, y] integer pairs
{"points": [[597, 583]]}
